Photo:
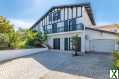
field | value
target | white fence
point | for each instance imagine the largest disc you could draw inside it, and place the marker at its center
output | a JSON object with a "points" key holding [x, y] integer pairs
{"points": [[10, 54]]}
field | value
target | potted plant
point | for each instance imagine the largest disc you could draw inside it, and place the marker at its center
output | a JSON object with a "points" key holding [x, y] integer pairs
{"points": [[76, 44]]}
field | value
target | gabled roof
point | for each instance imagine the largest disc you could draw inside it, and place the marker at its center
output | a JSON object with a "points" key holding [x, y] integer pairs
{"points": [[86, 5], [112, 27], [100, 30]]}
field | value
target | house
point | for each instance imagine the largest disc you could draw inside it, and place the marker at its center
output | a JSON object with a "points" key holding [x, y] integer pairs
{"points": [[61, 23], [112, 28]]}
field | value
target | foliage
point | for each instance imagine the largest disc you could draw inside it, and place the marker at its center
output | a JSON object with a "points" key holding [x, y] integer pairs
{"points": [[32, 38], [5, 31], [5, 26], [23, 38], [116, 54], [115, 65], [116, 59], [75, 43], [38, 39]]}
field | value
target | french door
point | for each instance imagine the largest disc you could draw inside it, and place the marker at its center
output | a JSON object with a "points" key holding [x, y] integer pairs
{"points": [[56, 43]]}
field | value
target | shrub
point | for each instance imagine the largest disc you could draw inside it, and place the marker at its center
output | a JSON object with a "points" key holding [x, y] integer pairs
{"points": [[116, 54], [115, 65]]}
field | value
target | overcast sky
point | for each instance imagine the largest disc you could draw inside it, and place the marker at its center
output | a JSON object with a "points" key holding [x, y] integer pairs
{"points": [[24, 13]]}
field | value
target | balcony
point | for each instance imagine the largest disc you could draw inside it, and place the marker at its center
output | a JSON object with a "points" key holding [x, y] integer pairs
{"points": [[61, 29]]}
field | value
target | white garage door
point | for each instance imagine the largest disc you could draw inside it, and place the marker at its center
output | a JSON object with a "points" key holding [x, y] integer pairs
{"points": [[103, 45]]}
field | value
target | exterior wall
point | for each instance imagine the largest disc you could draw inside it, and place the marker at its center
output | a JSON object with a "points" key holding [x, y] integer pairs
{"points": [[86, 19], [66, 35], [99, 35], [65, 14], [85, 40], [93, 35]]}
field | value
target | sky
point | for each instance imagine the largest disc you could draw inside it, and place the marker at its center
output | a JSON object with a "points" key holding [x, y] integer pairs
{"points": [[24, 13]]}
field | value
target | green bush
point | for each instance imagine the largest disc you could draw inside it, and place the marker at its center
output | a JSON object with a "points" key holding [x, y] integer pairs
{"points": [[116, 54], [115, 65]]}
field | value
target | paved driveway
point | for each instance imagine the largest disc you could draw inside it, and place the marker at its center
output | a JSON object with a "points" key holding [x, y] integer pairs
{"points": [[61, 66], [90, 65]]}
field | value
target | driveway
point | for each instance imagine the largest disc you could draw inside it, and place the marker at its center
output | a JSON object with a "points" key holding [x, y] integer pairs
{"points": [[60, 65], [90, 65]]}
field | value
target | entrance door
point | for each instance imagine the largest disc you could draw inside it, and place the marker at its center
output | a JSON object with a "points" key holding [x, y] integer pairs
{"points": [[56, 43]]}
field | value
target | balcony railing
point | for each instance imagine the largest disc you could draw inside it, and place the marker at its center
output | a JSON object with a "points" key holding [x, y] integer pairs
{"points": [[61, 29]]}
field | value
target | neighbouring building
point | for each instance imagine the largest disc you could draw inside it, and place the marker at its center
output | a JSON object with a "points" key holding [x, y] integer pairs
{"points": [[61, 23], [112, 28]]}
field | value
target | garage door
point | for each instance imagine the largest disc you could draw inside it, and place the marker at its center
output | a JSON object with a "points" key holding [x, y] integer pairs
{"points": [[103, 45]]}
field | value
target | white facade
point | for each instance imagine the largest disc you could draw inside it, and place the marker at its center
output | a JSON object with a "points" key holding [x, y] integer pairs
{"points": [[91, 39], [100, 41]]}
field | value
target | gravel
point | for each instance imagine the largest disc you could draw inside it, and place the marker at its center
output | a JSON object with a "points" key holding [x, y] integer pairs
{"points": [[57, 65]]}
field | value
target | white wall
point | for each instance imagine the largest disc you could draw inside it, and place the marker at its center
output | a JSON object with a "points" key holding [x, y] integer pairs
{"points": [[85, 43], [50, 41], [95, 35], [10, 54], [63, 35], [99, 35], [86, 19]]}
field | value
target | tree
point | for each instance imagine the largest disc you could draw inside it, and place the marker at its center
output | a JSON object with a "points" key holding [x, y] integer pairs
{"points": [[75, 43], [5, 26], [13, 39], [23, 38], [32, 38], [38, 39]]}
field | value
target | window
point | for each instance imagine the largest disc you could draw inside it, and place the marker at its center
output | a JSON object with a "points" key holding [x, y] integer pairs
{"points": [[72, 24], [49, 28], [50, 17], [56, 43], [66, 26], [56, 15], [60, 27], [54, 28], [80, 26], [67, 44]]}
